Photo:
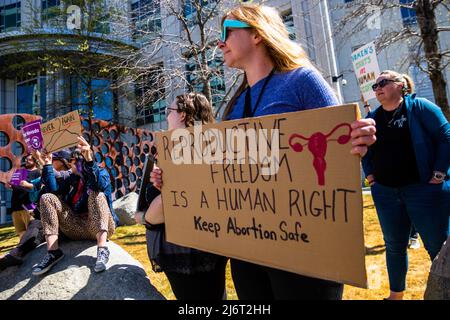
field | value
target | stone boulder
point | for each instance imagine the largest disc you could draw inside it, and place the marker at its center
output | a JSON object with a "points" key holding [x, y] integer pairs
{"points": [[125, 208], [74, 278], [438, 285]]}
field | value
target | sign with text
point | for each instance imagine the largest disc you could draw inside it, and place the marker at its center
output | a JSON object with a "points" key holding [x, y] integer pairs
{"points": [[32, 135], [61, 132], [18, 176], [365, 64], [280, 190]]}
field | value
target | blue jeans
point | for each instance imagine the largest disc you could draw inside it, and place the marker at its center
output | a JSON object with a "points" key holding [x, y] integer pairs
{"points": [[427, 206]]}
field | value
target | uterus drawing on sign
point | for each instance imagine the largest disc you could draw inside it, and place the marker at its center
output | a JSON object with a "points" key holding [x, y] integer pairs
{"points": [[317, 145]]}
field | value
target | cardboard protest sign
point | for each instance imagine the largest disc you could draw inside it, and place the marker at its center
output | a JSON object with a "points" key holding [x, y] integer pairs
{"points": [[366, 67], [18, 176], [61, 132], [281, 191], [32, 135]]}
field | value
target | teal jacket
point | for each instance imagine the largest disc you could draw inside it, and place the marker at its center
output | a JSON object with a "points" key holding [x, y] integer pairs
{"points": [[430, 135]]}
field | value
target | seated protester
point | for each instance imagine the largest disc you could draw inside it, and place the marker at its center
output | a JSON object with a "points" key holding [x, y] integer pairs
{"points": [[193, 274], [33, 235], [79, 205], [20, 197]]}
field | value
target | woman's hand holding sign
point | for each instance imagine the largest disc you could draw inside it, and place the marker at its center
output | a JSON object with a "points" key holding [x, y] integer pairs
{"points": [[363, 135], [85, 149]]}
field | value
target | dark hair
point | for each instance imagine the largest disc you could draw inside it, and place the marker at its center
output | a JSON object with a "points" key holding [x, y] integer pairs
{"points": [[24, 158], [79, 161], [196, 107]]}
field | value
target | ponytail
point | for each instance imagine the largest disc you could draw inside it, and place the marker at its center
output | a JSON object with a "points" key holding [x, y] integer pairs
{"points": [[409, 87]]}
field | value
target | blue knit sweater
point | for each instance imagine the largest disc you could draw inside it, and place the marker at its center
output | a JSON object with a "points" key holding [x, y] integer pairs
{"points": [[300, 89]]}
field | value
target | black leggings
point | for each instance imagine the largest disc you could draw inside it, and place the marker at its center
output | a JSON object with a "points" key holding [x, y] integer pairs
{"points": [[255, 282], [32, 238], [201, 285]]}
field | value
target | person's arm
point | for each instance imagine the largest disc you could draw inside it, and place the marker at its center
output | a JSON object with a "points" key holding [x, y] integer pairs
{"points": [[155, 212], [26, 185], [49, 179], [48, 176], [434, 121]]}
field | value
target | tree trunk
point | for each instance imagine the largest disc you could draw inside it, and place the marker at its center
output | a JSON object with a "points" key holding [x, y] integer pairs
{"points": [[428, 30], [438, 284]]}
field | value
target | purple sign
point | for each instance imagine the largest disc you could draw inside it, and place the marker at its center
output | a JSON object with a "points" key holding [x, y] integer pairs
{"points": [[29, 206], [32, 135], [18, 176]]}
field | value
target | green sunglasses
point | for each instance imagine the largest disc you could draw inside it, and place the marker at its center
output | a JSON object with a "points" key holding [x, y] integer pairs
{"points": [[231, 24]]}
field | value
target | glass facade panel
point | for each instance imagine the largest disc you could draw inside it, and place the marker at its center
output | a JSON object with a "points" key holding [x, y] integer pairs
{"points": [[408, 15], [217, 82], [288, 20], [9, 15], [150, 98], [102, 97], [145, 18]]}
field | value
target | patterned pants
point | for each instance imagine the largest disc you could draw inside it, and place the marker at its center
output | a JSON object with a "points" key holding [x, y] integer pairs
{"points": [[57, 215]]}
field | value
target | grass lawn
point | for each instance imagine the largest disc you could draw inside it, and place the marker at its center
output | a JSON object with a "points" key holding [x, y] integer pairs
{"points": [[132, 239]]}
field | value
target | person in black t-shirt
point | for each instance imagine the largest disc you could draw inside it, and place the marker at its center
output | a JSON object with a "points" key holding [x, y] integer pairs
{"points": [[408, 169]]}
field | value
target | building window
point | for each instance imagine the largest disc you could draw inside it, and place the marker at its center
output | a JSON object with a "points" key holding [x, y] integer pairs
{"points": [[408, 15], [217, 82], [150, 94], [145, 18], [9, 15], [190, 10], [101, 100], [288, 20], [28, 94], [308, 30], [51, 13]]}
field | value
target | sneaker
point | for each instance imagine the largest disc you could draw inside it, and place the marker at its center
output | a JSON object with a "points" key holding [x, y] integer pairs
{"points": [[414, 243], [9, 260], [102, 259], [50, 259]]}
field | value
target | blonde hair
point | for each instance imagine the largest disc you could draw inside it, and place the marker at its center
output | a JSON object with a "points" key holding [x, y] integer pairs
{"points": [[267, 23], [408, 84]]}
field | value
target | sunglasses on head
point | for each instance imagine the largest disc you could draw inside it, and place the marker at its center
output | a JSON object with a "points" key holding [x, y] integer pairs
{"points": [[232, 24], [381, 84]]}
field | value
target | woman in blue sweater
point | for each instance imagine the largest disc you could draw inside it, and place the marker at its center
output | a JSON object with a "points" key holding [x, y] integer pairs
{"points": [[278, 78], [408, 170]]}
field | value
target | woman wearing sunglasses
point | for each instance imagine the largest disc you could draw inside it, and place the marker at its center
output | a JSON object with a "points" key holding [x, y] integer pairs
{"points": [[278, 78], [193, 274], [408, 170]]}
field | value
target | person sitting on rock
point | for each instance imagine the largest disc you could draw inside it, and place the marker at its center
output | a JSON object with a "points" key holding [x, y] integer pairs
{"points": [[33, 235], [79, 205], [20, 197]]}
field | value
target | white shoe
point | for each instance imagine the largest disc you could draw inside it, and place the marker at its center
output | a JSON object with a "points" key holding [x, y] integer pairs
{"points": [[414, 244]]}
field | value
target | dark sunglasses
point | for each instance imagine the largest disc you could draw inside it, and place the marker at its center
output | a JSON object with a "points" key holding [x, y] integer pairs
{"points": [[381, 84]]}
